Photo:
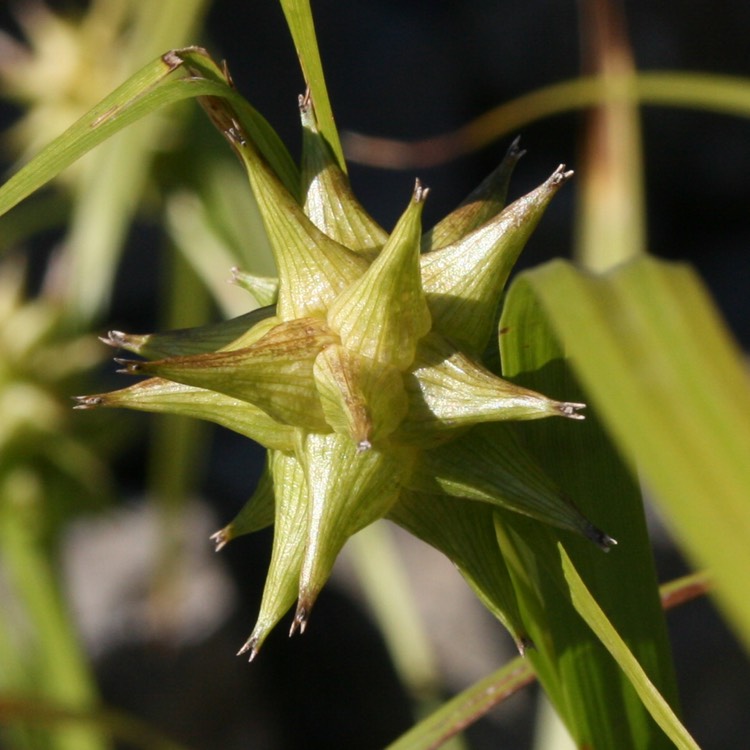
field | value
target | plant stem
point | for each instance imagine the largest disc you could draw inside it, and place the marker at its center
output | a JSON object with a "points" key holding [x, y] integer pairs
{"points": [[54, 664]]}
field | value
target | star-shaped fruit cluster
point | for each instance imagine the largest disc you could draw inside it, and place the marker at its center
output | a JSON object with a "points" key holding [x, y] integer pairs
{"points": [[365, 381]]}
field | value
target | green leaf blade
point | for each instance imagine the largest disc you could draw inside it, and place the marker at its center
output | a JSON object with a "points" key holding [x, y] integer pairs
{"points": [[672, 390], [148, 90], [586, 686], [299, 19], [592, 613]]}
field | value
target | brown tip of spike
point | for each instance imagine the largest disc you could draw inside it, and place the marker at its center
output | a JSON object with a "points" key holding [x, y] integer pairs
{"points": [[129, 366], [560, 176], [514, 150], [250, 646], [220, 538], [299, 623], [570, 409], [420, 192], [599, 538], [87, 402], [115, 339]]}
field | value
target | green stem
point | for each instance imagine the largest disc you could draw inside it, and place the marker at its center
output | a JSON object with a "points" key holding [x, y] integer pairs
{"points": [[467, 707], [55, 664], [723, 94]]}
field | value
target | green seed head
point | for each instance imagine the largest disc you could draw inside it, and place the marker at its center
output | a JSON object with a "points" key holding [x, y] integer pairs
{"points": [[367, 385]]}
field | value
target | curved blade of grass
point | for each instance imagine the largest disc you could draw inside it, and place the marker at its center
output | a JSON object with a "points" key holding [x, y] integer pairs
{"points": [[299, 19], [147, 91], [592, 613], [672, 390], [80, 137], [129, 103], [728, 95]]}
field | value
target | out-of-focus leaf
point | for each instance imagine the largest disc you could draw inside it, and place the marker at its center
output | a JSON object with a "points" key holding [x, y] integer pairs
{"points": [[611, 208], [55, 656], [46, 210], [23, 710]]}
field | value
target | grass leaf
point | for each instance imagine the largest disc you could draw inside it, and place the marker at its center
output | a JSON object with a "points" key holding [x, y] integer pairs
{"points": [[671, 387], [584, 683], [143, 93], [592, 613], [299, 19]]}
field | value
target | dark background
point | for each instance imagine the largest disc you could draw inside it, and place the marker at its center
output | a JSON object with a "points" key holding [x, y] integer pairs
{"points": [[412, 70]]}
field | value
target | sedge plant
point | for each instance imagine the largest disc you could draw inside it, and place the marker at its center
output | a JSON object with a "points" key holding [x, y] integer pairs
{"points": [[382, 385]]}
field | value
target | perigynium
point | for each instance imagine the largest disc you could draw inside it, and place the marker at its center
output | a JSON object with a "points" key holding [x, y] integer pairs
{"points": [[366, 380]]}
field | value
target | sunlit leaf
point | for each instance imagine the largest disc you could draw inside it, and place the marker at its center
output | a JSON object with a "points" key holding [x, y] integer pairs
{"points": [[299, 19], [585, 685], [670, 385], [587, 607], [148, 90]]}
